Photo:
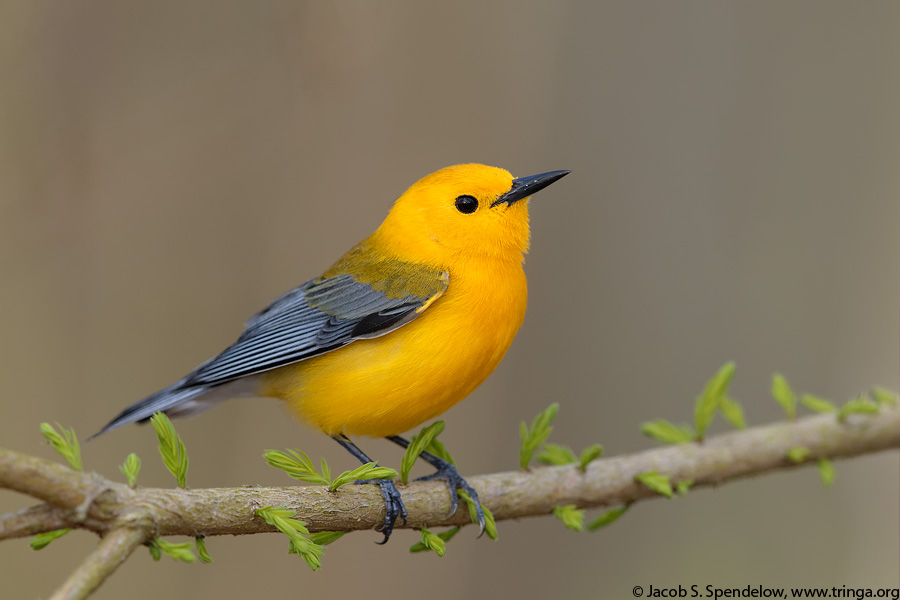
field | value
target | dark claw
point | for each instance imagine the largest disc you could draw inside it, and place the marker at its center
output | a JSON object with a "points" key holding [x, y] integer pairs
{"points": [[447, 472], [393, 505]]}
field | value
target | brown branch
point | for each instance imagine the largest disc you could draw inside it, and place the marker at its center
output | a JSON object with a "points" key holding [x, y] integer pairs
{"points": [[129, 517], [32, 520], [100, 564], [510, 495]]}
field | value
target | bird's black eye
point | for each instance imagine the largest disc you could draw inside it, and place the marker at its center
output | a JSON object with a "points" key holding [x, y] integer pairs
{"points": [[466, 204]]}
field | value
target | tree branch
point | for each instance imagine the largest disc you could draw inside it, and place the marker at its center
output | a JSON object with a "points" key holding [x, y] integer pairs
{"points": [[100, 564], [32, 520], [92, 502]]}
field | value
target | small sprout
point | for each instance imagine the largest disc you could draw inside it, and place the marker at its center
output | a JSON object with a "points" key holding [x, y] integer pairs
{"points": [[443, 537], [826, 471], [733, 412], [323, 538], [535, 435], [607, 517], [281, 518], [155, 552], [860, 405], [883, 396], [797, 454], [589, 455], [706, 404], [816, 404], [434, 541], [202, 552], [683, 486], [656, 482], [571, 516], [669, 433], [438, 448], [555, 454], [298, 465], [490, 525], [65, 443], [42, 540], [416, 446], [367, 471], [130, 468], [180, 552], [171, 448], [784, 395]]}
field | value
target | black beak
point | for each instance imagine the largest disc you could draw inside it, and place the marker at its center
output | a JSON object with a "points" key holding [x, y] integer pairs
{"points": [[526, 186]]}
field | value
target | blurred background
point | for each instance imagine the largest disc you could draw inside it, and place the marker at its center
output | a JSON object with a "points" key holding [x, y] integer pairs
{"points": [[167, 168]]}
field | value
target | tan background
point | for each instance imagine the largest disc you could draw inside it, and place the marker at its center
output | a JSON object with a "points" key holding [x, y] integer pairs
{"points": [[167, 168]]}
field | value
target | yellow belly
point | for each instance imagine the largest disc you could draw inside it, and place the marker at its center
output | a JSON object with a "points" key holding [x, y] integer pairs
{"points": [[390, 384]]}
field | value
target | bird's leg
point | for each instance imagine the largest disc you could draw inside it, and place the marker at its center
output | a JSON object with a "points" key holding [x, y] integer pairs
{"points": [[447, 472], [393, 504]]}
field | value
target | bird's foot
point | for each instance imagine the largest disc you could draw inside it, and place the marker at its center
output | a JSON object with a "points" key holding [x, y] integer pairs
{"points": [[447, 472], [393, 505]]}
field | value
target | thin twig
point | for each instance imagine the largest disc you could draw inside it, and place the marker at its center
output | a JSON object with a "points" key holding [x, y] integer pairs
{"points": [[100, 564], [32, 520]]}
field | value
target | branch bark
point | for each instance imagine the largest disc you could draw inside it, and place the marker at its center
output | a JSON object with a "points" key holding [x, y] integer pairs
{"points": [[86, 500], [129, 517]]}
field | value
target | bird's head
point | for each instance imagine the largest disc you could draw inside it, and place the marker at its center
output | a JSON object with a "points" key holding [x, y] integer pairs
{"points": [[470, 210]]}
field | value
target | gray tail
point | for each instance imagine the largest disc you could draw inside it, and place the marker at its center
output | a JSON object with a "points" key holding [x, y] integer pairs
{"points": [[171, 399]]}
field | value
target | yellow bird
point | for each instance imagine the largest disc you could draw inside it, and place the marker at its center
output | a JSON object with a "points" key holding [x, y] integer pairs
{"points": [[402, 327]]}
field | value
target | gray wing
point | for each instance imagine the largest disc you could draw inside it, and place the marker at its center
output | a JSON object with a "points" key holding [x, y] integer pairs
{"points": [[319, 316]]}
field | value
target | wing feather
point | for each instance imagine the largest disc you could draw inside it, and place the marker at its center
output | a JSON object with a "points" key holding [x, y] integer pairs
{"points": [[319, 316]]}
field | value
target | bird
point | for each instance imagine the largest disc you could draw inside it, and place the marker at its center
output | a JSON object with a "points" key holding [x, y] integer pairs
{"points": [[402, 327]]}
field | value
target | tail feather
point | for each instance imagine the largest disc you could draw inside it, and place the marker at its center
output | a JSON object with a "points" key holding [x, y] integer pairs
{"points": [[167, 400]]}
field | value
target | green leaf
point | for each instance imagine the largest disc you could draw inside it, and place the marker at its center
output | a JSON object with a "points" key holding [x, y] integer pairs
{"points": [[202, 552], [180, 552], [571, 516], [438, 448], [733, 412], [826, 471], [555, 454], [706, 404], [536, 435], [784, 395], [367, 471], [298, 534], [299, 466], [797, 454], [416, 446], [296, 464], [669, 433], [857, 406], [656, 482], [882, 395], [155, 552], [589, 455], [323, 538], [443, 538], [490, 525], [816, 404], [683, 486], [130, 468], [171, 448], [42, 540], [65, 443], [607, 517]]}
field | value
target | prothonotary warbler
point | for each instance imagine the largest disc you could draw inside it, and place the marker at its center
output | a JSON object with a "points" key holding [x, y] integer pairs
{"points": [[401, 328]]}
